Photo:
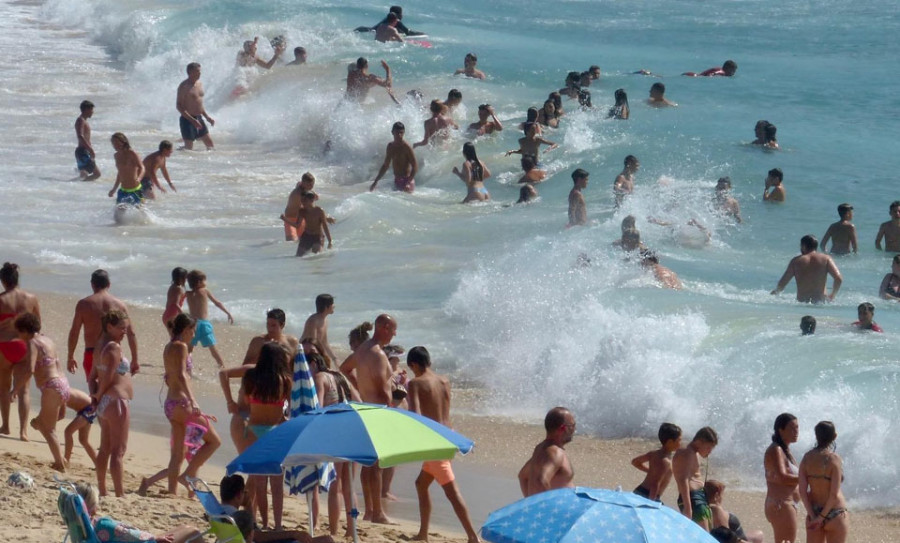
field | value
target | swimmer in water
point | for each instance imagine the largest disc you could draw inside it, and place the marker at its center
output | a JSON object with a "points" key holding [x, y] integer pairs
{"points": [[624, 183], [547, 115], [774, 183], [866, 313], [359, 81], [842, 233], [760, 132], [399, 155], [530, 144], [84, 153], [808, 325], [728, 69], [485, 126], [473, 174], [299, 57], [401, 28], [594, 72], [533, 175], [454, 99], [658, 96], [890, 230], [771, 142], [156, 161], [663, 275], [620, 110], [526, 194], [469, 68], [811, 270], [726, 203], [387, 30], [247, 56], [572, 87], [438, 125], [577, 206], [129, 172]]}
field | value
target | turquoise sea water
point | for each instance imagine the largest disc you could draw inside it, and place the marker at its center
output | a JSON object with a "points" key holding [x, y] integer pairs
{"points": [[494, 291]]}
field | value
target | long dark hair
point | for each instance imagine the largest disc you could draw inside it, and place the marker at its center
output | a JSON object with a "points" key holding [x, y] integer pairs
{"points": [[9, 275], [179, 323], [271, 379], [469, 152], [781, 422], [825, 434]]}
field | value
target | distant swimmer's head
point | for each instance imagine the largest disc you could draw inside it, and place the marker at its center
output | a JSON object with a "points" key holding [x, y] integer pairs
{"points": [[531, 115], [706, 440], [808, 244], [657, 90], [250, 47], [580, 178], [87, 108], [99, 280], [416, 95], [776, 176], [526, 194], [530, 128], [392, 19], [723, 184], [193, 69], [436, 107], [866, 312], [471, 60], [300, 54], [594, 71], [484, 111], [9, 275], [529, 164], [632, 163], [896, 260], [398, 129], [120, 141], [825, 434], [454, 97], [396, 10], [729, 67], [621, 97], [771, 132], [895, 208], [845, 211], [362, 63], [760, 129], [628, 222], [808, 325], [669, 436], [631, 239]]}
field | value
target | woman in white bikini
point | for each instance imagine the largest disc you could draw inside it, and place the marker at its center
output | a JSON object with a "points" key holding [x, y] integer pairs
{"points": [[782, 494], [821, 475]]}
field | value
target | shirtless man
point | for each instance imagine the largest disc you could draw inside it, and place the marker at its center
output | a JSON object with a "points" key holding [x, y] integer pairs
{"points": [[156, 161], [485, 126], [890, 230], [316, 326], [624, 183], [469, 69], [429, 395], [189, 103], [129, 172], [88, 312], [686, 472], [315, 225], [726, 203], [811, 270], [842, 233], [84, 153], [247, 56], [663, 275], [400, 156], [387, 31], [530, 144], [549, 467], [577, 207], [299, 57], [373, 378], [454, 99], [658, 96], [728, 69], [438, 125], [294, 203], [359, 81], [773, 183]]}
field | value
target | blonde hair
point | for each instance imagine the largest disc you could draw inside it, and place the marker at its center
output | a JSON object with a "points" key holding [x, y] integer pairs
{"points": [[89, 494]]}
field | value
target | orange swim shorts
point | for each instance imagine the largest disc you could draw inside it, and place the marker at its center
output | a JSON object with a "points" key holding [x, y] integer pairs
{"points": [[440, 470]]}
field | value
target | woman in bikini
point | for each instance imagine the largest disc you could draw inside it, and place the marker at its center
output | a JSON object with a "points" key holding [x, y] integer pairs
{"points": [[182, 409], [547, 115], [355, 338], [782, 494], [175, 295], [821, 475], [473, 174], [113, 393], [50, 378], [620, 110], [13, 302], [268, 387], [890, 285]]}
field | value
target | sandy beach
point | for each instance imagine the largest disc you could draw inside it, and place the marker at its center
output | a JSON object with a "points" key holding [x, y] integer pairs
{"points": [[486, 476]]}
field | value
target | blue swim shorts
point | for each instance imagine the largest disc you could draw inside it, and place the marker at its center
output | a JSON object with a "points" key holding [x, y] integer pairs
{"points": [[203, 334]]}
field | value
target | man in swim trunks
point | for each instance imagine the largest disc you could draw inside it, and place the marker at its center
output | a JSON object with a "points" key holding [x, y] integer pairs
{"points": [[359, 81], [156, 161], [549, 467], [315, 228], [129, 172], [292, 209], [438, 126], [842, 233], [428, 394], [890, 230], [811, 270], [84, 153], [686, 472], [485, 126], [469, 68], [387, 30], [88, 313], [400, 156], [189, 103]]}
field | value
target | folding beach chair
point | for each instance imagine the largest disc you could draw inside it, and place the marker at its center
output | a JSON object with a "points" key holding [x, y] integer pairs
{"points": [[221, 525], [74, 513]]}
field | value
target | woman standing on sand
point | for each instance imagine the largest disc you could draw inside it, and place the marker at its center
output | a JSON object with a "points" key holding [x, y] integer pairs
{"points": [[113, 393], [782, 495], [13, 302], [821, 475], [268, 387]]}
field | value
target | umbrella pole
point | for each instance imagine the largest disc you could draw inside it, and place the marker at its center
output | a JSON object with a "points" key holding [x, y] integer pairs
{"points": [[354, 513]]}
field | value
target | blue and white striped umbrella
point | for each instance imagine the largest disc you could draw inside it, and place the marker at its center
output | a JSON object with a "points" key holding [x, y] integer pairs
{"points": [[590, 515], [303, 479]]}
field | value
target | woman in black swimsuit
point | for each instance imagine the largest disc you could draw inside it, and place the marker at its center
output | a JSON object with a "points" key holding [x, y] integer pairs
{"points": [[890, 285], [821, 475]]}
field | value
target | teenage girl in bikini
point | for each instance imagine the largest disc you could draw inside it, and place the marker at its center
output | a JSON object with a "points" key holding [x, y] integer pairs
{"points": [[821, 475], [782, 495]]}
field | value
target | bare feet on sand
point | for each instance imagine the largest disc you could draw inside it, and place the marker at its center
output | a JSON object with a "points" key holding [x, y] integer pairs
{"points": [[389, 497], [59, 467], [145, 485], [382, 519]]}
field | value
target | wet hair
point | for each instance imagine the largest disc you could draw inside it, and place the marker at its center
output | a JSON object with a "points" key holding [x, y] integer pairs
{"points": [[621, 97], [776, 173], [808, 325], [230, 487], [658, 87], [318, 362], [244, 522], [114, 317], [557, 100], [579, 174], [100, 279], [527, 126], [89, 494], [195, 277], [867, 306], [436, 106], [555, 418], [630, 159], [549, 102], [628, 222], [309, 196], [531, 115], [360, 333], [454, 94], [668, 431], [398, 126], [192, 66], [770, 132], [527, 193], [707, 435], [760, 128], [724, 183], [397, 10], [392, 17], [584, 98], [121, 138], [713, 489], [323, 302], [593, 69], [179, 323], [361, 63], [468, 151], [781, 422], [9, 275], [179, 276], [572, 79], [299, 51], [271, 379], [723, 534], [894, 204], [86, 105], [278, 315], [419, 355], [631, 236], [165, 145], [810, 242], [825, 434], [843, 209], [648, 258], [729, 66], [483, 107], [472, 57], [28, 322], [529, 164]]}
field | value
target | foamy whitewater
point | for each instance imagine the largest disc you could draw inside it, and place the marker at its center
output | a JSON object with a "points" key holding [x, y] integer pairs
{"points": [[495, 292]]}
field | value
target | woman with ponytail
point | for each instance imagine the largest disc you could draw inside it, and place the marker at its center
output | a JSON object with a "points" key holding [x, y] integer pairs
{"points": [[821, 476], [782, 495], [473, 174]]}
